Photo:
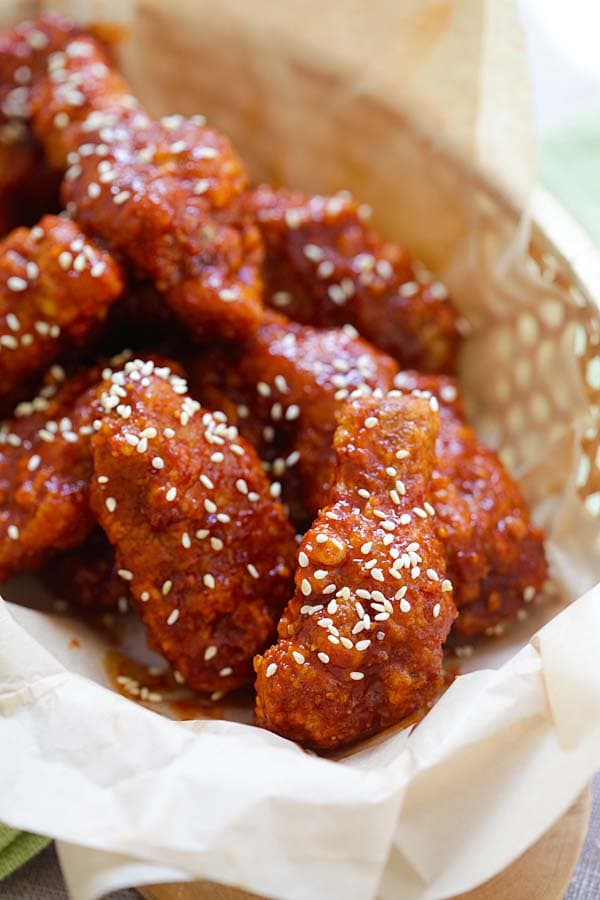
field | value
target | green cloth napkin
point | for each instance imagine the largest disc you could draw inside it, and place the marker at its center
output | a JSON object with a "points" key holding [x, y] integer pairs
{"points": [[570, 169], [569, 166], [16, 847]]}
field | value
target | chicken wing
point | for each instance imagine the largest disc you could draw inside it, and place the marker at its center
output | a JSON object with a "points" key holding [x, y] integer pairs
{"points": [[360, 643], [495, 555], [55, 286], [283, 389], [165, 194], [205, 549], [325, 267]]}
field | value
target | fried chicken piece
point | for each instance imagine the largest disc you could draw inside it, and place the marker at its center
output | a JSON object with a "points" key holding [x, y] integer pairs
{"points": [[28, 187], [325, 267], [284, 388], [45, 468], [165, 194], [360, 643], [206, 550], [87, 576], [55, 287], [495, 555]]}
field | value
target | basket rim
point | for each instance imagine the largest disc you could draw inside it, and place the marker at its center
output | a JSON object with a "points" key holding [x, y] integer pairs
{"points": [[554, 226]]}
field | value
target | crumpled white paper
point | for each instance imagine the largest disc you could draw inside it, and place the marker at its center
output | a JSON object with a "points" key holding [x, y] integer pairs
{"points": [[421, 109]]}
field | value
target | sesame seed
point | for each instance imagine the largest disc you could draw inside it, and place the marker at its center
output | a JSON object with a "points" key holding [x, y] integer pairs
{"points": [[94, 190], [275, 489], [33, 463], [125, 574], [320, 574], [400, 487], [364, 493], [209, 580], [226, 671], [357, 676], [429, 508], [298, 657], [167, 585], [292, 412], [371, 422], [202, 533], [207, 482], [121, 197], [210, 506], [253, 570], [158, 462], [305, 587], [241, 486], [323, 657], [210, 653], [419, 512], [405, 519], [111, 504], [404, 605], [333, 639], [302, 559], [436, 610], [16, 284], [171, 494], [13, 532], [173, 616], [102, 479], [270, 670]]}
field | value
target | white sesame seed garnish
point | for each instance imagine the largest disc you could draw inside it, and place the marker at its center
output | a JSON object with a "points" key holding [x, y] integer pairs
{"points": [[436, 610], [209, 580], [226, 671], [419, 512], [429, 508], [404, 605], [298, 657], [270, 670], [125, 574], [253, 571], [323, 657], [173, 616], [171, 494], [166, 587], [529, 593], [357, 676], [33, 463], [320, 574], [333, 639], [210, 653], [94, 190], [158, 462], [16, 284], [102, 479], [371, 422], [305, 587], [210, 506], [13, 532], [121, 197], [207, 482], [111, 504], [364, 493], [302, 559], [432, 575], [202, 533]]}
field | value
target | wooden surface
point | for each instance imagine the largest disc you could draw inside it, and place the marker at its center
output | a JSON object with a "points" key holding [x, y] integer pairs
{"points": [[542, 873]]}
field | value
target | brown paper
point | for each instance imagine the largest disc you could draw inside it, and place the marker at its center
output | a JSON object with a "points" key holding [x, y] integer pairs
{"points": [[421, 108]]}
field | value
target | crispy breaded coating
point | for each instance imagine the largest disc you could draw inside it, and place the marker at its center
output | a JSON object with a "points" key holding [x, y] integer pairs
{"points": [[55, 286], [495, 555], [206, 550], [325, 267], [284, 389], [27, 185], [87, 576], [360, 643], [45, 468], [165, 194]]}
